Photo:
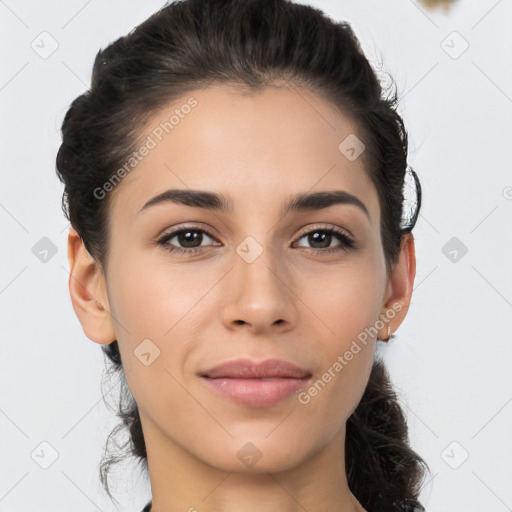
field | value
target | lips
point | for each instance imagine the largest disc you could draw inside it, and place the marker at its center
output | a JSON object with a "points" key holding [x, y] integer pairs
{"points": [[256, 384], [247, 369]]}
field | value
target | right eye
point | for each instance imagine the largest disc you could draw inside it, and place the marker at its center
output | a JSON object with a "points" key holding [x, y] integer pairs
{"points": [[188, 237]]}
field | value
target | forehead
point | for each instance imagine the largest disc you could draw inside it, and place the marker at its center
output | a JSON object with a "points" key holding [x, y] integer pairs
{"points": [[255, 147]]}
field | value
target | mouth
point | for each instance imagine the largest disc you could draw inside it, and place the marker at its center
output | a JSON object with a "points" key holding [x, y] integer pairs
{"points": [[256, 384], [256, 392]]}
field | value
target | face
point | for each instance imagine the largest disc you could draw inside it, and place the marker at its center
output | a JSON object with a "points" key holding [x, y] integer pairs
{"points": [[247, 281]]}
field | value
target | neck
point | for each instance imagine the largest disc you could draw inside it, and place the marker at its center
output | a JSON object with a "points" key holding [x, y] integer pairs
{"points": [[181, 481]]}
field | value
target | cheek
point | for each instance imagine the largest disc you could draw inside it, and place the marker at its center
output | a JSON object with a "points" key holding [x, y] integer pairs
{"points": [[346, 300], [154, 307], [345, 304], [152, 299]]}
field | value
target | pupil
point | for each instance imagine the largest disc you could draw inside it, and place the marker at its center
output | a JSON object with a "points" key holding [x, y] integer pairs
{"points": [[188, 237], [323, 237]]}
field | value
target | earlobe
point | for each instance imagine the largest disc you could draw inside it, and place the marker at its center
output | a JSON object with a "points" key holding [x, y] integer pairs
{"points": [[87, 289], [400, 285]]}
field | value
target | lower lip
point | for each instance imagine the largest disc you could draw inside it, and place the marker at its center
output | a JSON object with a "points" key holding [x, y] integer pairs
{"points": [[256, 392]]}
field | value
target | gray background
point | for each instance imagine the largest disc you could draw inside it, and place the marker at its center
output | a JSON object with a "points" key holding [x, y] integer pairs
{"points": [[450, 361]]}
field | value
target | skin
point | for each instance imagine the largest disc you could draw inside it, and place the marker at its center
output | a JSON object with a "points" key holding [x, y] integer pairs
{"points": [[258, 149]]}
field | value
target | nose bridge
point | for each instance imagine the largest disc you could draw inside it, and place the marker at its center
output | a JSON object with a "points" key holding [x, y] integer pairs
{"points": [[258, 293]]}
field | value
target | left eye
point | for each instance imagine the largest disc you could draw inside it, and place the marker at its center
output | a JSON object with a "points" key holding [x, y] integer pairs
{"points": [[324, 237]]}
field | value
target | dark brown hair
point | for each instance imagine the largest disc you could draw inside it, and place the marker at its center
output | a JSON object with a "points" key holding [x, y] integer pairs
{"points": [[250, 43]]}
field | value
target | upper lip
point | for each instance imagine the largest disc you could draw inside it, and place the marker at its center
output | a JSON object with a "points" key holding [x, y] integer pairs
{"points": [[246, 368]]}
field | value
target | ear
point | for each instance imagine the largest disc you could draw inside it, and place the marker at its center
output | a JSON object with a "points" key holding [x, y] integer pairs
{"points": [[88, 292], [400, 286]]}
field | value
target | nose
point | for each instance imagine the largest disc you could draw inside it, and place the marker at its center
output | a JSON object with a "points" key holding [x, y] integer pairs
{"points": [[259, 296]]}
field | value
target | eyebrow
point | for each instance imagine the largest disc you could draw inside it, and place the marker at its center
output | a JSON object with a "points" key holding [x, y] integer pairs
{"points": [[219, 202]]}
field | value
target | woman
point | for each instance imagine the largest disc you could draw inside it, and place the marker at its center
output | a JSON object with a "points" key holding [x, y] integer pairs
{"points": [[234, 181]]}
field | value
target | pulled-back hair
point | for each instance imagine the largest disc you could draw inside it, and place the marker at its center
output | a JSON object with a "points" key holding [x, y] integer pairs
{"points": [[252, 44]]}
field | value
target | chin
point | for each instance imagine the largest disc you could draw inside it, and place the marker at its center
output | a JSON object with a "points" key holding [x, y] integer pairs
{"points": [[258, 454]]}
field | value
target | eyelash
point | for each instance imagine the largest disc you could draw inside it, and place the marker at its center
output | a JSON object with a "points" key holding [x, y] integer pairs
{"points": [[347, 242]]}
